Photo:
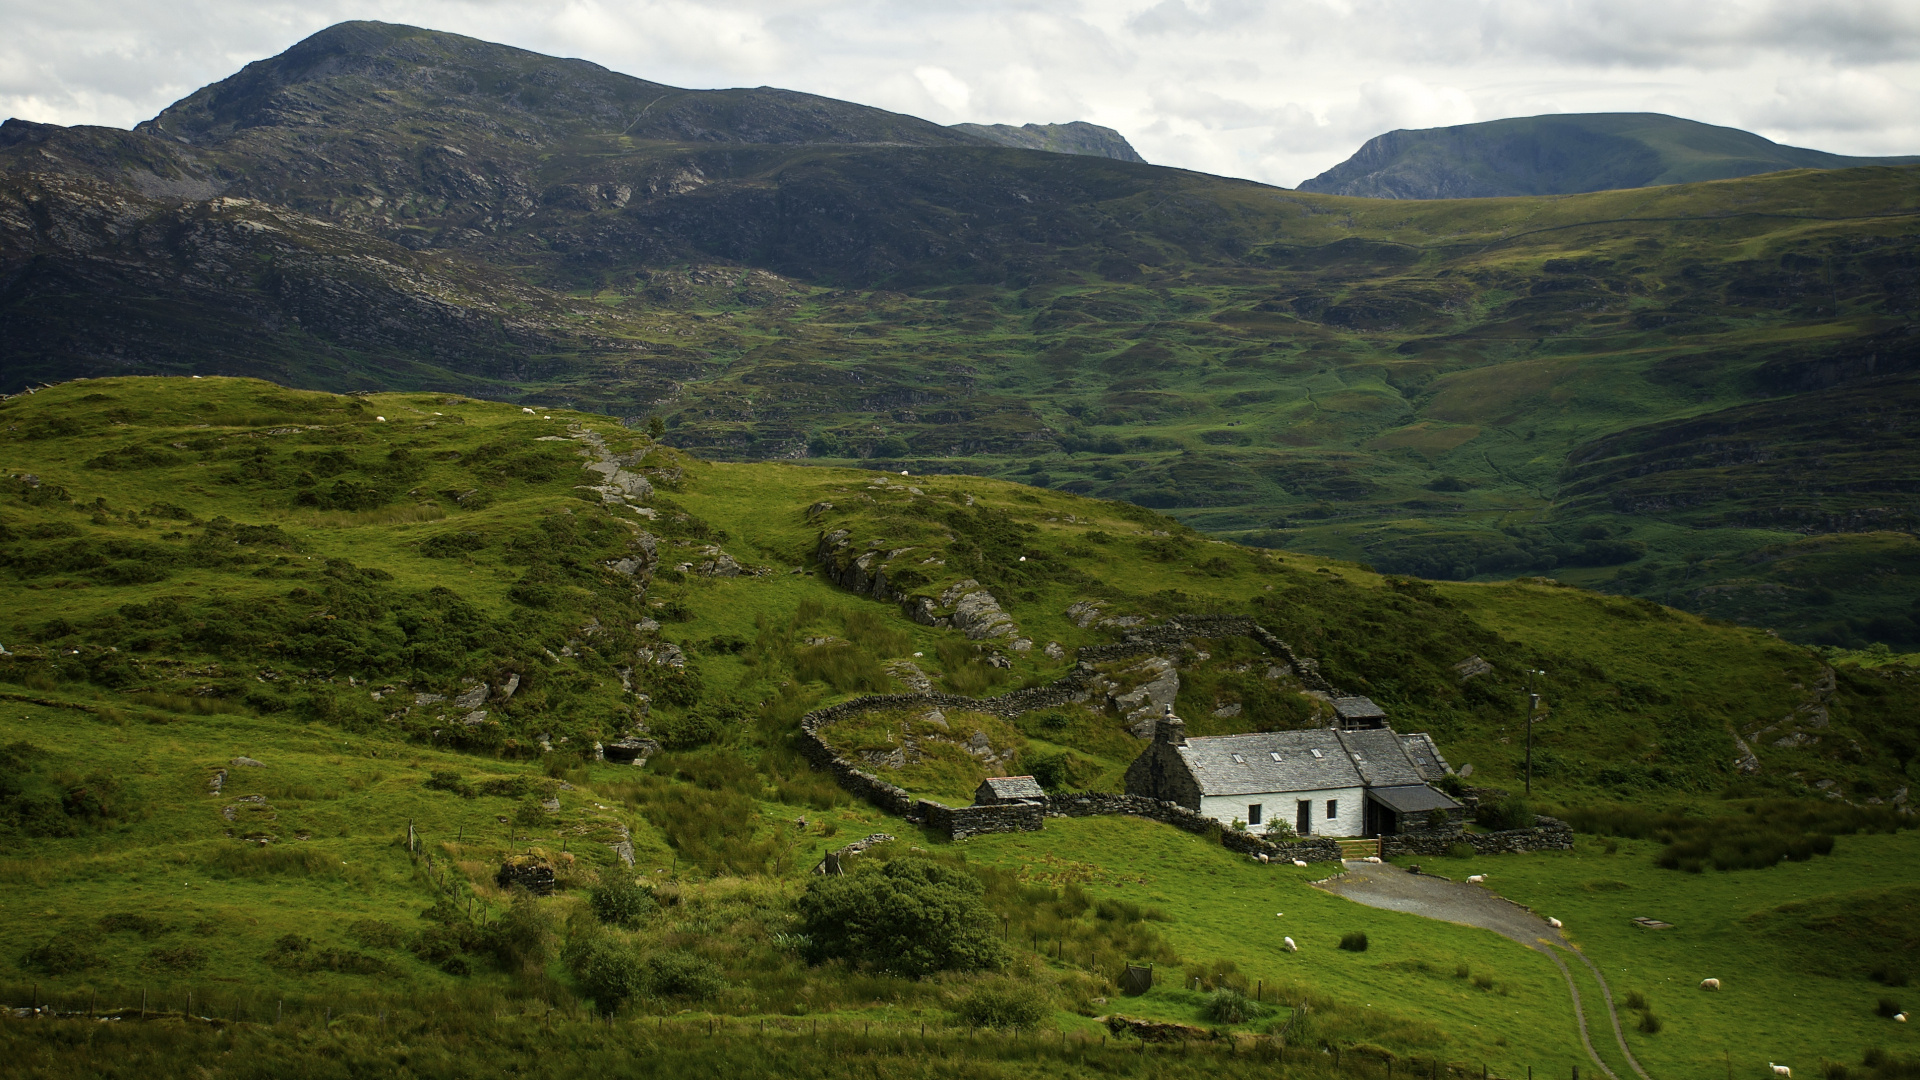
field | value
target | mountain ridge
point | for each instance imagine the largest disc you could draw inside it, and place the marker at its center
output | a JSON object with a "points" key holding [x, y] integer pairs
{"points": [[1563, 154]]}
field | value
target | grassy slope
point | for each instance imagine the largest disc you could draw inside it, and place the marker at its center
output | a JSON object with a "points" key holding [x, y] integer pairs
{"points": [[1632, 687]]}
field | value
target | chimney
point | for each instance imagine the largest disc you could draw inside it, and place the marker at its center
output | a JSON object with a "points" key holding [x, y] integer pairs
{"points": [[1171, 730]]}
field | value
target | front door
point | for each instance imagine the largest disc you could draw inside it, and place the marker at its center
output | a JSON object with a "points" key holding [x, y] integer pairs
{"points": [[1303, 817]]}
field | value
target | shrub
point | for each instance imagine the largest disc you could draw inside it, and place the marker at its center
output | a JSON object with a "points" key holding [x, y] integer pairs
{"points": [[910, 916], [144, 925], [1512, 812], [59, 956], [447, 780], [1003, 1003], [1460, 851], [1650, 1023], [620, 900], [1636, 1000], [521, 939], [1890, 973], [1354, 942], [1888, 1008], [1229, 1006], [175, 957], [375, 934], [675, 973], [608, 971]]}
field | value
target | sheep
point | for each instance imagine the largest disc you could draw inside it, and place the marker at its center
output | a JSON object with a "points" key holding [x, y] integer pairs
{"points": [[1371, 859], [526, 410], [1899, 1018], [1287, 944], [1263, 857], [1301, 863], [1553, 922], [1477, 879], [1781, 1070], [1709, 984]]}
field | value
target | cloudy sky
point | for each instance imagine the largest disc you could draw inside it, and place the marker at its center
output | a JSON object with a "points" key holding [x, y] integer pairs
{"points": [[1273, 90]]}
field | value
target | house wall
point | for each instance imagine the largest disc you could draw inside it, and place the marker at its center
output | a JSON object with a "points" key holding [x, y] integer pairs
{"points": [[1279, 805]]}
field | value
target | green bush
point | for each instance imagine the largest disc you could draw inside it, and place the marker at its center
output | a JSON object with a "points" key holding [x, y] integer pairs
{"points": [[59, 956], [1512, 812], [608, 971], [447, 780], [679, 974], [1461, 850], [1005, 1004], [910, 916], [521, 939], [1354, 942], [1229, 1006], [1650, 1023], [1888, 1008], [620, 900]]}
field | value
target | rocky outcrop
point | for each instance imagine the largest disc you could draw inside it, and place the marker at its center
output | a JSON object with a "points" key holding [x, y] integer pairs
{"points": [[965, 605], [1077, 137]]}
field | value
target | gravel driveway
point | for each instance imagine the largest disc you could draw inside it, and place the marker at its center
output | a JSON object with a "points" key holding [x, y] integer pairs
{"points": [[1384, 885]]}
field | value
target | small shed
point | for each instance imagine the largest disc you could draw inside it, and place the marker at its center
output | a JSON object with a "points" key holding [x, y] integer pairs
{"points": [[1006, 790], [1359, 714]]}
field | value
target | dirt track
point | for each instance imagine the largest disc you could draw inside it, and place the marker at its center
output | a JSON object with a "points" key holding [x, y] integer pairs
{"points": [[1384, 885]]}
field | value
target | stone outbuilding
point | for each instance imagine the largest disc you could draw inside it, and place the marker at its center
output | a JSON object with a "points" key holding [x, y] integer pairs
{"points": [[1321, 782], [1005, 790]]}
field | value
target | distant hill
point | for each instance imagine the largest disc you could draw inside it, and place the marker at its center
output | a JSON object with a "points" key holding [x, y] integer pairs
{"points": [[1563, 155], [1078, 137]]}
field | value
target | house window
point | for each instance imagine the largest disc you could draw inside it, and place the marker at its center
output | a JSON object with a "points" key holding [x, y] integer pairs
{"points": [[1253, 813], [1238, 760], [1274, 754], [1317, 753], [1333, 809]]}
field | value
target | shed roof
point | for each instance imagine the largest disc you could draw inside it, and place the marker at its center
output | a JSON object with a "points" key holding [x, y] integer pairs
{"points": [[1381, 757], [1426, 756], [1009, 788], [1358, 708], [1267, 761], [1411, 798]]}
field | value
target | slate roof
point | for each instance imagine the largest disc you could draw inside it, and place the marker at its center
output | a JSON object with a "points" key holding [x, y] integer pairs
{"points": [[1380, 756], [1358, 708], [1426, 756], [1010, 788], [1246, 764], [1411, 798]]}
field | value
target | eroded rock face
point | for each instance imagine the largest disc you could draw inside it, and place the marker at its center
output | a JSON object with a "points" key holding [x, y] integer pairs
{"points": [[978, 615]]}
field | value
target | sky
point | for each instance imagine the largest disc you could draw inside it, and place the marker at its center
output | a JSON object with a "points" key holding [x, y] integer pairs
{"points": [[1270, 90]]}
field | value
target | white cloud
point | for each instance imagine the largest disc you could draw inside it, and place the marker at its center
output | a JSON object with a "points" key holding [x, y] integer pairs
{"points": [[1275, 90]]}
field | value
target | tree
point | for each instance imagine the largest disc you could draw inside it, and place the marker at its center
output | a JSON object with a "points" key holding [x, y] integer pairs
{"points": [[619, 900], [909, 916], [656, 427]]}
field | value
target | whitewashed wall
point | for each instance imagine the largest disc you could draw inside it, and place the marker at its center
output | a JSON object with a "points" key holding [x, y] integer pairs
{"points": [[1280, 806]]}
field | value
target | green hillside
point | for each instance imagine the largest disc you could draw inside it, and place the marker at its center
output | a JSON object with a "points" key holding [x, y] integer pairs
{"points": [[1651, 392], [1563, 154]]}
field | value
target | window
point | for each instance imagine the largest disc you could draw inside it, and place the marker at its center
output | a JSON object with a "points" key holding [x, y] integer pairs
{"points": [[1316, 753], [1253, 813], [1333, 809], [1274, 754], [1238, 760]]}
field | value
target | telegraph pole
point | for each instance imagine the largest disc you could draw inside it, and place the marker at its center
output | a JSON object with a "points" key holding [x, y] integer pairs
{"points": [[1533, 706]]}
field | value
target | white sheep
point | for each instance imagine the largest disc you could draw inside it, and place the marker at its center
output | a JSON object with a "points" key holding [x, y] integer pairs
{"points": [[1371, 859], [1477, 879], [526, 410], [1709, 984], [1899, 1018], [1781, 1070], [1287, 944], [1301, 863], [1553, 922], [1262, 857]]}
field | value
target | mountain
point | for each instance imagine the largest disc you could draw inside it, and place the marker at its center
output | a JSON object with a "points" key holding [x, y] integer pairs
{"points": [[1563, 155], [1645, 391], [1078, 137]]}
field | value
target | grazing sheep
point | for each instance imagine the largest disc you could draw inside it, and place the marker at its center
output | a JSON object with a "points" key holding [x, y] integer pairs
{"points": [[1371, 859], [1553, 922], [1287, 944], [524, 409], [1709, 984], [1781, 1070], [1477, 879], [1263, 857], [1300, 863], [1899, 1018]]}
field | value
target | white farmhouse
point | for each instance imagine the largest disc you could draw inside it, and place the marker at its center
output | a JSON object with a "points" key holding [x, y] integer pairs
{"points": [[1323, 782]]}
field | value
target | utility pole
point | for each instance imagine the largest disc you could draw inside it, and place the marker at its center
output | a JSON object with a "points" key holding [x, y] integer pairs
{"points": [[1533, 706]]}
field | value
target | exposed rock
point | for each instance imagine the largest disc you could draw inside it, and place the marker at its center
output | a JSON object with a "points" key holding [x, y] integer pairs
{"points": [[472, 697], [1053, 651], [835, 861], [475, 718], [217, 781], [550, 805], [632, 749], [1021, 645], [647, 626], [1143, 706], [1225, 711], [507, 688], [1470, 667], [429, 699], [910, 676], [529, 872], [1085, 612], [817, 509], [978, 615], [249, 763]]}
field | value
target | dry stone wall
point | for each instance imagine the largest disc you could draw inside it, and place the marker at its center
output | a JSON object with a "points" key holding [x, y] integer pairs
{"points": [[1547, 834]]}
